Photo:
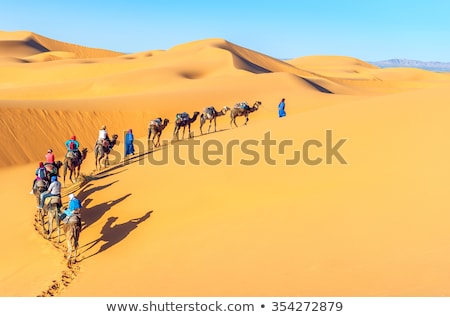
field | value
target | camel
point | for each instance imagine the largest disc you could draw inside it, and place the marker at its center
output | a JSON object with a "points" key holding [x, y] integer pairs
{"points": [[72, 163], [102, 150], [242, 109], [211, 114], [39, 187], [183, 120], [72, 229], [156, 128], [52, 210]]}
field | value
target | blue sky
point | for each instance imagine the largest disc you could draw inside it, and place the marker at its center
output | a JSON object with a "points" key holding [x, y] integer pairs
{"points": [[370, 31]]}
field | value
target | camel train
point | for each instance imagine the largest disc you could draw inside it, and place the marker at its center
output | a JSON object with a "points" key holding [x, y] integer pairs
{"points": [[72, 225]]}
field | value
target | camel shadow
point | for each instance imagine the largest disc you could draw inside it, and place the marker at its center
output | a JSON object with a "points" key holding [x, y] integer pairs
{"points": [[113, 234], [106, 173], [93, 214], [85, 192]]}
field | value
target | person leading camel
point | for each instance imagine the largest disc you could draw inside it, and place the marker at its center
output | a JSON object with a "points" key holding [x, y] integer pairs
{"points": [[53, 190], [129, 147], [281, 111]]}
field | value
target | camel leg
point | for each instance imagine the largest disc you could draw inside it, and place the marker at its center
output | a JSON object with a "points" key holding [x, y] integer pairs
{"points": [[69, 250], [64, 175], [50, 223], [215, 125], [175, 131], [209, 127], [202, 122], [58, 224]]}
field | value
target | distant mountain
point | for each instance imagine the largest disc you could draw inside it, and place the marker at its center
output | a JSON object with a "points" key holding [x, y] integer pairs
{"points": [[433, 66]]}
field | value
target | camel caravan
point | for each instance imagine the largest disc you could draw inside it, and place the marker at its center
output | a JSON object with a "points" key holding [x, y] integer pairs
{"points": [[47, 187]]}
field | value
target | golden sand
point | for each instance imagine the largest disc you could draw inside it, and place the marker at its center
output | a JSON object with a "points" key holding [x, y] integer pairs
{"points": [[374, 226]]}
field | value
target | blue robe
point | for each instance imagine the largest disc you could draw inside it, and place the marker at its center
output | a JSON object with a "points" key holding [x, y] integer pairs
{"points": [[281, 112], [129, 147]]}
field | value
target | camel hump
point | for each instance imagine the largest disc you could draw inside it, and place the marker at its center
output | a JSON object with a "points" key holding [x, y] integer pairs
{"points": [[72, 155]]}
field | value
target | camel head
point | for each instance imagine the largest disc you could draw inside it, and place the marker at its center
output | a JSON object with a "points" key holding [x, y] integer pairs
{"points": [[257, 104], [114, 137], [58, 164], [225, 109], [196, 113], [166, 121], [84, 152]]}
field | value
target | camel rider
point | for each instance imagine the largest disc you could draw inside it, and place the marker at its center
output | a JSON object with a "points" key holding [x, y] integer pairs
{"points": [[53, 190], [50, 157], [41, 174], [50, 162], [72, 146], [73, 209], [102, 135]]}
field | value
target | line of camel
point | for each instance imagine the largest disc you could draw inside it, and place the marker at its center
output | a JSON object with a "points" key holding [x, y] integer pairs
{"points": [[72, 228], [156, 126]]}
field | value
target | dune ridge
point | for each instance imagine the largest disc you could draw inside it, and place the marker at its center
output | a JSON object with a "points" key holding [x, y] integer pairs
{"points": [[374, 224]]}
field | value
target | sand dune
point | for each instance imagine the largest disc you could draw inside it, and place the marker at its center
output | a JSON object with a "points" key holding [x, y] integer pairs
{"points": [[374, 225]]}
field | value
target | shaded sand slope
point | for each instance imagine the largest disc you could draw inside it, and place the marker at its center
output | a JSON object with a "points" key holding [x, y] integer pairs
{"points": [[27, 45]]}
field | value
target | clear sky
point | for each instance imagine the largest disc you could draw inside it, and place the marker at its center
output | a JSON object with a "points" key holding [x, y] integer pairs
{"points": [[370, 31]]}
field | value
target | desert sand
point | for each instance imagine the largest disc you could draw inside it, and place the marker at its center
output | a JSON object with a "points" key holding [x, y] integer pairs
{"points": [[372, 222]]}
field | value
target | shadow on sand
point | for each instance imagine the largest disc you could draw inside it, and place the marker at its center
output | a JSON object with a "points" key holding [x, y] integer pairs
{"points": [[113, 234], [92, 214]]}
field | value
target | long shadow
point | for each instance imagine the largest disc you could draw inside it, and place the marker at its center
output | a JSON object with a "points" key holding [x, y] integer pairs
{"points": [[91, 215], [113, 234], [106, 173], [85, 192]]}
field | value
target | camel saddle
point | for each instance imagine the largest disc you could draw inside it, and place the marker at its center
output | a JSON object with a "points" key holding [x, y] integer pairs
{"points": [[51, 168], [53, 200], [242, 105], [72, 155], [210, 111], [184, 116], [41, 185], [157, 122], [73, 218]]}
